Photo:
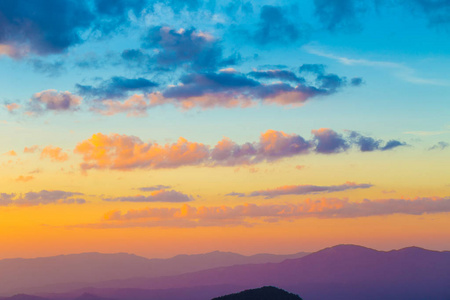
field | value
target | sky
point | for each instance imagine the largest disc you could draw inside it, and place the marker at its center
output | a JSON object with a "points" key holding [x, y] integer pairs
{"points": [[161, 127]]}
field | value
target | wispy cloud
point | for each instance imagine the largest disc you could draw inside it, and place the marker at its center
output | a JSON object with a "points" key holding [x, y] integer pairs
{"points": [[303, 190], [252, 214], [400, 70], [427, 133], [43, 197], [155, 196]]}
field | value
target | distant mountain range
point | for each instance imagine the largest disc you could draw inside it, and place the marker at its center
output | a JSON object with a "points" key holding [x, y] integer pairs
{"points": [[67, 272], [340, 273]]}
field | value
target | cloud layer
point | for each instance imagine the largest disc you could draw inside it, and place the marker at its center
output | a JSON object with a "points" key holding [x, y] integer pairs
{"points": [[250, 214], [302, 190], [43, 197], [161, 195], [122, 152]]}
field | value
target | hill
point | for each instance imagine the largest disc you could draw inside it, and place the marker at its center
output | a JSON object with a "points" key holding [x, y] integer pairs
{"points": [[264, 293]]}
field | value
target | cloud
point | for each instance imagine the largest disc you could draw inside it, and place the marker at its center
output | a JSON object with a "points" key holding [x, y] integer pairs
{"points": [[403, 72], [116, 87], [273, 145], [345, 14], [11, 107], [52, 100], [439, 146], [366, 144], [329, 141], [356, 81], [282, 75], [122, 152], [426, 133], [43, 197], [11, 153], [275, 26], [436, 11], [54, 154], [49, 68], [234, 194], [22, 178], [53, 26], [339, 14], [35, 25], [232, 89], [181, 48], [251, 214], [154, 188], [304, 190], [155, 196], [225, 88], [135, 106], [31, 149]]}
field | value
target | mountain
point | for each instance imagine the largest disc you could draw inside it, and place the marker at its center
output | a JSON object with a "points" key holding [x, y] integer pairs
{"points": [[340, 272], [264, 293], [68, 272]]}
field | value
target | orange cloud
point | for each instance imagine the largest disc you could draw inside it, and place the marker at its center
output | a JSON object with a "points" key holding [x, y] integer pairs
{"points": [[127, 152], [31, 149], [12, 106], [11, 153], [22, 178], [54, 154]]}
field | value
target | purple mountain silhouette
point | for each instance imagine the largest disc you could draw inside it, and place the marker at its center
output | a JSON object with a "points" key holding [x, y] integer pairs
{"points": [[67, 272], [340, 272]]}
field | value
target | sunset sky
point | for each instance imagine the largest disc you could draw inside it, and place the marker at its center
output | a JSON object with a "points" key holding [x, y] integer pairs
{"points": [[161, 127]]}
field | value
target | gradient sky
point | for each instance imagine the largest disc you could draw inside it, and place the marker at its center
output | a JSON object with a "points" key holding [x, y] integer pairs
{"points": [[160, 127]]}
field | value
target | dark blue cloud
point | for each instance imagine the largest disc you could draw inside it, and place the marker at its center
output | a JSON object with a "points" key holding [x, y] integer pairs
{"points": [[356, 81], [339, 14], [368, 144], [436, 11], [283, 75], [317, 69], [232, 87], [439, 146], [43, 26], [116, 87], [275, 26], [330, 82], [182, 48], [196, 85], [235, 6], [112, 14], [329, 141], [54, 68], [392, 144]]}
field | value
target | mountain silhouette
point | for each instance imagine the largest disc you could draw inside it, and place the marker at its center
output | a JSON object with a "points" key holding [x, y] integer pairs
{"points": [[340, 272], [75, 271], [264, 293]]}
